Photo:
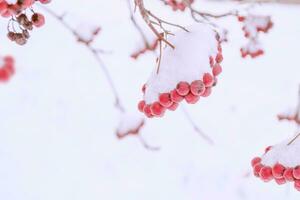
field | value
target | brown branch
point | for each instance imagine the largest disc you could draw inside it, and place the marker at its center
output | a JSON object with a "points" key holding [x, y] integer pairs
{"points": [[151, 20], [196, 128], [138, 28], [94, 51], [294, 139]]}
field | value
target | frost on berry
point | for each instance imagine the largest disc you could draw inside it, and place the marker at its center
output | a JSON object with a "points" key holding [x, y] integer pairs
{"points": [[281, 162], [25, 18], [7, 68], [187, 72], [253, 25], [130, 124]]}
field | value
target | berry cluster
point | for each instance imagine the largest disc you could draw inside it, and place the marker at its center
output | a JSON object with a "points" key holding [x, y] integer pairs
{"points": [[16, 11], [178, 5], [252, 26], [190, 92], [278, 172], [7, 68], [150, 47]]}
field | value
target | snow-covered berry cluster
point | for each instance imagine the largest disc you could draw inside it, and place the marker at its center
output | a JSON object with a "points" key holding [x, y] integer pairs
{"points": [[150, 47], [178, 4], [7, 68], [187, 73], [253, 25], [16, 10], [280, 163]]}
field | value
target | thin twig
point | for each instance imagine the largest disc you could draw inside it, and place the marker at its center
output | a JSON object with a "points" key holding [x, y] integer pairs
{"points": [[196, 128], [146, 145], [95, 52], [294, 139]]}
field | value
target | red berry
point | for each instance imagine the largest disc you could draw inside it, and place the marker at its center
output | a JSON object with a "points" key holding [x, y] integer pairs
{"points": [[183, 88], [165, 100], [217, 70], [219, 58], [297, 185], [175, 97], [157, 109], [147, 111], [280, 181], [288, 175], [207, 92], [278, 171], [4, 75], [208, 80], [256, 169], [255, 161], [45, 1], [266, 174], [38, 19], [141, 105], [174, 106], [296, 172], [191, 99], [197, 88]]}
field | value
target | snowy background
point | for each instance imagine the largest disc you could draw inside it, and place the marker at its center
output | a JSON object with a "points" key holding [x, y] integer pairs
{"points": [[57, 120]]}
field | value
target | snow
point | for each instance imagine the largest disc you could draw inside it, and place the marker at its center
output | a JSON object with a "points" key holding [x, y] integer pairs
{"points": [[130, 122], [187, 62], [11, 1], [287, 155], [58, 121]]}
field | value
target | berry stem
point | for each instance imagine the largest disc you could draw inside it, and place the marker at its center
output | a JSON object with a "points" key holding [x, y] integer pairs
{"points": [[94, 51], [294, 139], [196, 128]]}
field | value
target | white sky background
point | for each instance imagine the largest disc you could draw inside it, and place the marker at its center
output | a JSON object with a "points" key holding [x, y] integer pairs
{"points": [[57, 119]]}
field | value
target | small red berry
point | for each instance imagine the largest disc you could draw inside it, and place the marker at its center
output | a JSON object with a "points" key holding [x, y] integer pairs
{"points": [[173, 107], [141, 105], [175, 97], [266, 174], [147, 111], [183, 88], [38, 19], [191, 99], [157, 109], [207, 92], [219, 58], [278, 170], [211, 61], [296, 172], [297, 185], [288, 175], [280, 181], [144, 88], [165, 100], [197, 88], [255, 161], [217, 70], [256, 169], [208, 80], [4, 75]]}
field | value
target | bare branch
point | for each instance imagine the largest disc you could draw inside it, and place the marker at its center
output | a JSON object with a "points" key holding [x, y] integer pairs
{"points": [[196, 128], [95, 52]]}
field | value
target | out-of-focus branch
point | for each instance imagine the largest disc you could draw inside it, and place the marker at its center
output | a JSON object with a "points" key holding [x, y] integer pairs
{"points": [[270, 1], [196, 128], [94, 51]]}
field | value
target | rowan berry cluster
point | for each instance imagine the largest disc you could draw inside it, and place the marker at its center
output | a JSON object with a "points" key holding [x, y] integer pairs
{"points": [[16, 10], [253, 25], [280, 173], [7, 68], [190, 92]]}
